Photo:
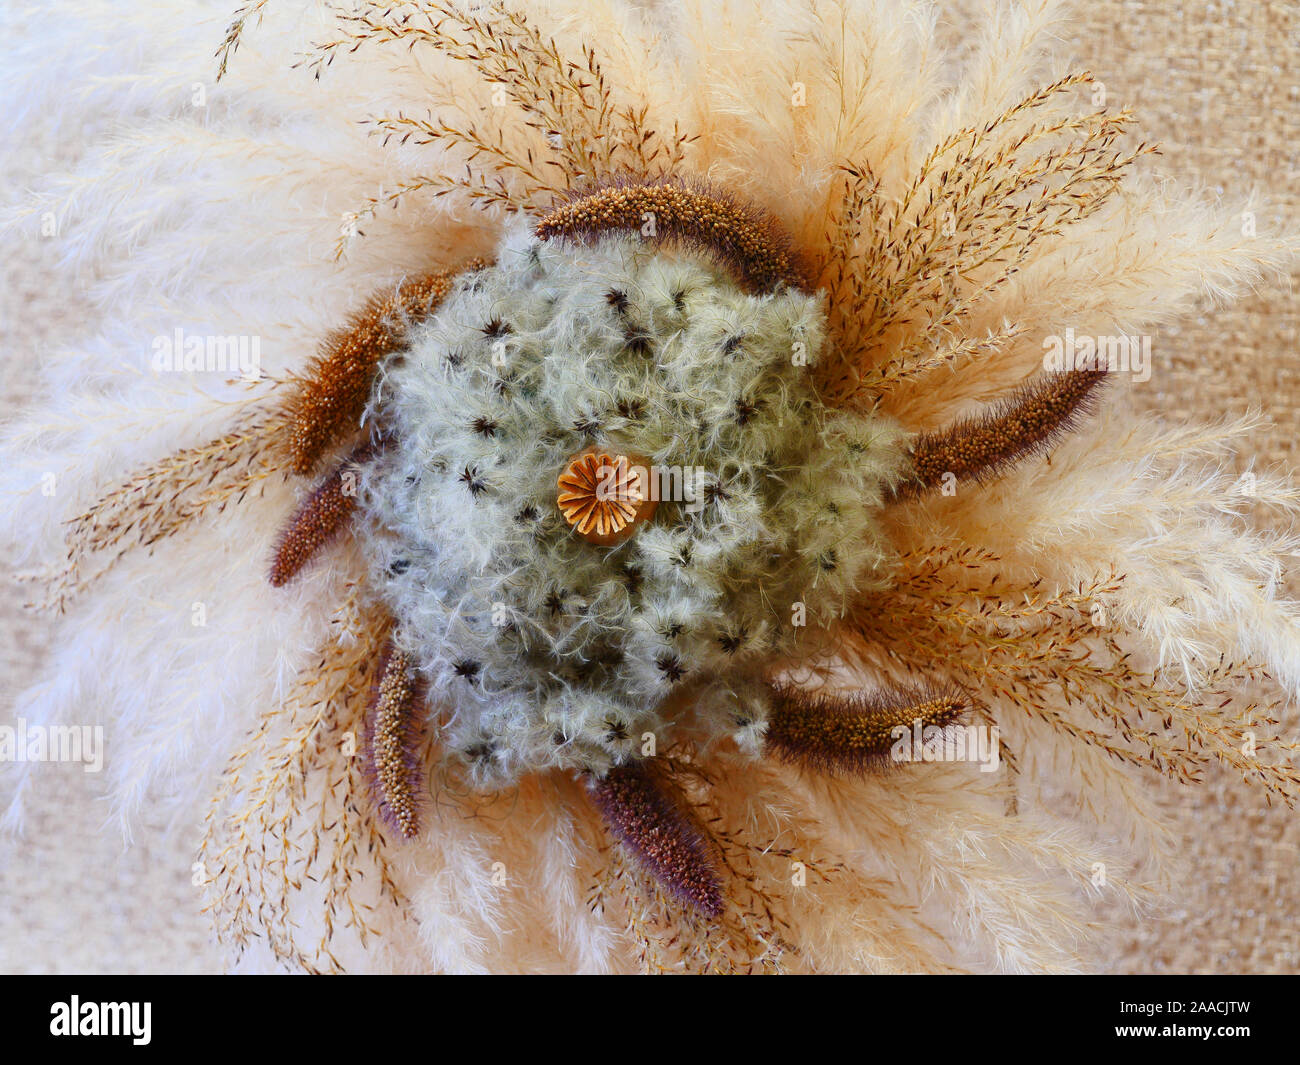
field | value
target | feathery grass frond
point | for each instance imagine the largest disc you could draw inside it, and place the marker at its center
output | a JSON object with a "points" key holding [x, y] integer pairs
{"points": [[164, 498], [906, 272], [289, 818], [235, 32], [578, 128], [1018, 644]]}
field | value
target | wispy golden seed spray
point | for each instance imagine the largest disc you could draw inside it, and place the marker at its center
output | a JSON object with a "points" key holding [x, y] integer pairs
{"points": [[741, 237], [1024, 424], [392, 736], [329, 401], [660, 831], [829, 731], [318, 519]]}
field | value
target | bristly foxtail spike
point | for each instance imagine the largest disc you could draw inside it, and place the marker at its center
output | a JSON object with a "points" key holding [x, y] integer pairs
{"points": [[849, 733], [1024, 424], [661, 832], [742, 238], [326, 405], [319, 519], [392, 744]]}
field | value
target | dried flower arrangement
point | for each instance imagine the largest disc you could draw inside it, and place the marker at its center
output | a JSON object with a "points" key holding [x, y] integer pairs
{"points": [[544, 727]]}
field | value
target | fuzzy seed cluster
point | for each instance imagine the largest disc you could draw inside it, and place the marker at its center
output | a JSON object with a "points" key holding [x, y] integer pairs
{"points": [[545, 650]]}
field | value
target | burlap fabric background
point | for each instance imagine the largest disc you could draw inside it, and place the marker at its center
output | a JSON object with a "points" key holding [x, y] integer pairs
{"points": [[1218, 84]]}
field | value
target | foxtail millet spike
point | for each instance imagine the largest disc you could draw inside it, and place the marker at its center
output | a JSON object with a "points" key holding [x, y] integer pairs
{"points": [[848, 733], [661, 832], [1025, 423], [743, 239], [392, 740], [318, 519], [327, 403]]}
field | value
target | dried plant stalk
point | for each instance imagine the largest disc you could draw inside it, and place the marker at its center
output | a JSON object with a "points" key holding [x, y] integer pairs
{"points": [[164, 498], [756, 933], [670, 934], [1021, 425], [289, 815], [235, 31], [392, 741], [827, 730], [647, 815], [1049, 656], [904, 274], [576, 128]]}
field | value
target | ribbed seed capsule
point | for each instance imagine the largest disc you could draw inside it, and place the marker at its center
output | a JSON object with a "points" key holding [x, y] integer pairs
{"points": [[604, 497]]}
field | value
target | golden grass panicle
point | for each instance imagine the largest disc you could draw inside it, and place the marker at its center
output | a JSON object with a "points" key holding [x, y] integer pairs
{"points": [[287, 815], [906, 273], [164, 498]]}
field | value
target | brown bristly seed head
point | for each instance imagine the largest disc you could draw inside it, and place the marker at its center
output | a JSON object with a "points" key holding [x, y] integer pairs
{"points": [[318, 519], [327, 404], [1024, 424], [392, 734], [849, 733], [655, 824], [742, 238]]}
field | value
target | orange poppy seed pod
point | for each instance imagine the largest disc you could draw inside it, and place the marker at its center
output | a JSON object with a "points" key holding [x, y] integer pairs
{"points": [[605, 497]]}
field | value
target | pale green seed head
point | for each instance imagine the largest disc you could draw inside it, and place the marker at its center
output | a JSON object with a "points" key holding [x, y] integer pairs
{"points": [[553, 652]]}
